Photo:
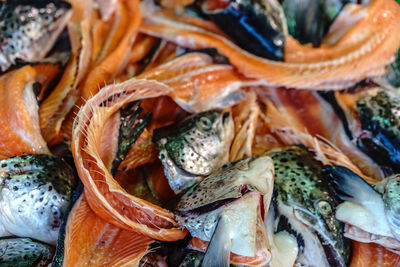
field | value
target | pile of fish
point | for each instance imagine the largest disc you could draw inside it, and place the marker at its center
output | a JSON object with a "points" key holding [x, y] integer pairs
{"points": [[200, 133]]}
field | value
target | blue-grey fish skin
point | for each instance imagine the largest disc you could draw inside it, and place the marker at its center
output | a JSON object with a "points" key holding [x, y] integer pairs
{"points": [[379, 114], [28, 29], [22, 252], [307, 202], [34, 194]]}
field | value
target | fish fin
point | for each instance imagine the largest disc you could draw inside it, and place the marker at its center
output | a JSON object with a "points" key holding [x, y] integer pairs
{"points": [[349, 185], [127, 133], [219, 250]]}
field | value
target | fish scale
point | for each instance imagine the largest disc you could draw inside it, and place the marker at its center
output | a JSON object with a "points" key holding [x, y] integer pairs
{"points": [[21, 252], [194, 147], [34, 194], [29, 29], [305, 202]]}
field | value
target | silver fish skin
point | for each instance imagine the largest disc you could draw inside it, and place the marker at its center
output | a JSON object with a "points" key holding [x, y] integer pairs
{"points": [[390, 190], [224, 208], [22, 252], [29, 29], [34, 195], [195, 147], [371, 214], [305, 204]]}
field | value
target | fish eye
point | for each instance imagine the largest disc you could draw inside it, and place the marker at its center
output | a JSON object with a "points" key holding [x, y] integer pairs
{"points": [[324, 207], [205, 123]]}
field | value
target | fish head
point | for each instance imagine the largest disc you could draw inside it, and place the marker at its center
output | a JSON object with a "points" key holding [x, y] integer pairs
{"points": [[24, 252], [379, 113], [226, 208], [30, 28], [195, 147], [305, 198], [35, 194]]}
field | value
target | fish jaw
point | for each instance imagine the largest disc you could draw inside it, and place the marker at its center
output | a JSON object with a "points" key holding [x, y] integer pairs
{"points": [[308, 202], [178, 179], [235, 231], [311, 252], [231, 181]]}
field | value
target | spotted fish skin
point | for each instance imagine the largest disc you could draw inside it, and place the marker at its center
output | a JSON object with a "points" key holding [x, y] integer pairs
{"points": [[29, 29], [34, 194], [22, 252], [228, 201], [390, 190], [306, 203], [194, 147], [379, 112]]}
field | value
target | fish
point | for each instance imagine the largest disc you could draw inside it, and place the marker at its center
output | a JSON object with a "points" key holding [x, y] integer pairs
{"points": [[371, 213], [34, 195], [21, 252], [192, 258], [284, 246], [194, 147], [225, 209], [372, 40], [379, 116], [309, 21], [29, 29], [91, 241], [305, 206], [19, 110], [92, 146], [257, 26]]}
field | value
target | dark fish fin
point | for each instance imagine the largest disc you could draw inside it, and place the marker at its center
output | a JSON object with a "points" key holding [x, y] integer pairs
{"points": [[59, 254], [219, 250], [349, 185], [128, 135]]}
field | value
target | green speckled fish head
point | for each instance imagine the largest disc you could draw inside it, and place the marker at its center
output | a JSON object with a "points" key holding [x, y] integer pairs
{"points": [[29, 29], [195, 147], [379, 112], [301, 185], [35, 193], [22, 252]]}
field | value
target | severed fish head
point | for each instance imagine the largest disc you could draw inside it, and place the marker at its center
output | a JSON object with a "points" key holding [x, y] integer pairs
{"points": [[34, 195], [225, 209], [194, 147], [305, 204], [29, 29]]}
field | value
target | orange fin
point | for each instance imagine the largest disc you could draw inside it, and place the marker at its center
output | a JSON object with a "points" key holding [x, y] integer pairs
{"points": [[91, 241]]}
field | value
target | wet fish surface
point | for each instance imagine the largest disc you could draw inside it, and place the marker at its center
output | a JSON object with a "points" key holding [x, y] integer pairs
{"points": [[29, 29], [22, 252], [224, 208], [194, 147], [305, 204], [34, 194]]}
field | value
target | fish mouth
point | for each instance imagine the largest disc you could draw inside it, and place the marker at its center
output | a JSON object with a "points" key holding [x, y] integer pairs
{"points": [[332, 255], [308, 235]]}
